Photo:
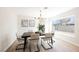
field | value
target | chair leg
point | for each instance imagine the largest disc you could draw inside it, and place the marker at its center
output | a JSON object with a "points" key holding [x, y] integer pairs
{"points": [[29, 46], [38, 47], [18, 46], [50, 43]]}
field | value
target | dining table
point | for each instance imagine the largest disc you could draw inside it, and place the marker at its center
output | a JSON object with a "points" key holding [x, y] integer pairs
{"points": [[28, 34]]}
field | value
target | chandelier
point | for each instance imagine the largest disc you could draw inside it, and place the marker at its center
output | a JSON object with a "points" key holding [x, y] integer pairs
{"points": [[41, 12]]}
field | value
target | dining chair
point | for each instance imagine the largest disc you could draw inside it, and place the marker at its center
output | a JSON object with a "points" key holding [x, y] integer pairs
{"points": [[34, 42], [48, 39], [20, 43]]}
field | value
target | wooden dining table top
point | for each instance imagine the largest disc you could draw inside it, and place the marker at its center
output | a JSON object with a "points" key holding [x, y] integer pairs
{"points": [[29, 34], [26, 35]]}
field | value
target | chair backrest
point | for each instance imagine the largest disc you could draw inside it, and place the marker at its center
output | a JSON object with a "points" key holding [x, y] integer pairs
{"points": [[34, 36], [28, 33], [48, 35], [31, 33], [18, 36]]}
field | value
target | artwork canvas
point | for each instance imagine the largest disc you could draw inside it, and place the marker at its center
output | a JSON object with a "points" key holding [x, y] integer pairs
{"points": [[65, 24], [24, 23]]}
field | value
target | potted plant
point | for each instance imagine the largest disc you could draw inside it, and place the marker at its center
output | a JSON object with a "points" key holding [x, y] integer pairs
{"points": [[41, 28]]}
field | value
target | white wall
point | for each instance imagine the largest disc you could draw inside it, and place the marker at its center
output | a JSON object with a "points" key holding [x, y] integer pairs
{"points": [[8, 27], [73, 12]]}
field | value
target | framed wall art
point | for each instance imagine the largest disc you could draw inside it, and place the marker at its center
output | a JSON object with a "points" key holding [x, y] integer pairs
{"points": [[24, 23]]}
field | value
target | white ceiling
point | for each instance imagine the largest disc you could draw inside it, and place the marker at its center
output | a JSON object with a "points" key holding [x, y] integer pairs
{"points": [[35, 11]]}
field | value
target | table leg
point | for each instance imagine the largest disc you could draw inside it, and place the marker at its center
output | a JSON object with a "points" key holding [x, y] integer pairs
{"points": [[24, 44]]}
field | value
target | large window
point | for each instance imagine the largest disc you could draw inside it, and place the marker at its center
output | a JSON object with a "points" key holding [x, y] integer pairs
{"points": [[65, 24]]}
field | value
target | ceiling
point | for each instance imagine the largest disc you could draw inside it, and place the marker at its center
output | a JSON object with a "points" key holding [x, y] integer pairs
{"points": [[35, 11]]}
